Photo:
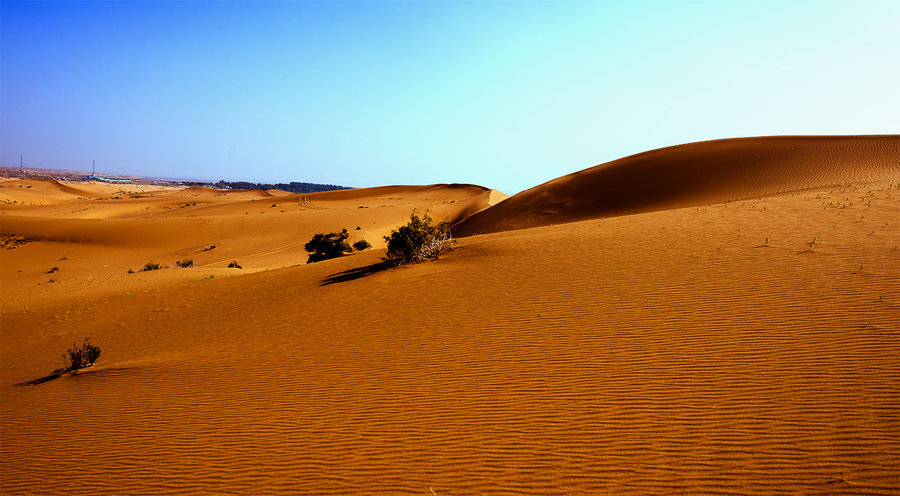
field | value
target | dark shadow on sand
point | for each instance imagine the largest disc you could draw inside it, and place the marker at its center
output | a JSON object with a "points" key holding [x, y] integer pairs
{"points": [[47, 378], [352, 274]]}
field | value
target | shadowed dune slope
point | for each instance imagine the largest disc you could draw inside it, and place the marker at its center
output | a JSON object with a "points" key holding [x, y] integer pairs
{"points": [[695, 174], [53, 184]]}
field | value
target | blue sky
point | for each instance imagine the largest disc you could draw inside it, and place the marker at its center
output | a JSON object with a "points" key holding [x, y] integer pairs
{"points": [[506, 94]]}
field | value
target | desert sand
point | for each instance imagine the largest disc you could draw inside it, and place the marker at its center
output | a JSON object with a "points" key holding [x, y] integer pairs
{"points": [[714, 318]]}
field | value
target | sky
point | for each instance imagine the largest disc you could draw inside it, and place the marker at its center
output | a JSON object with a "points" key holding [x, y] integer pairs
{"points": [[505, 94]]}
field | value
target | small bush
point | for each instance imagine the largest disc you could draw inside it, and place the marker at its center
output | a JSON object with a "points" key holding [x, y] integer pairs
{"points": [[52, 270], [234, 265], [79, 357], [187, 262], [326, 246], [131, 271], [361, 245], [150, 266], [420, 239]]}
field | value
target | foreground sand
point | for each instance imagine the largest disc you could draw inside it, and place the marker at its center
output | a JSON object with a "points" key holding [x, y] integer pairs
{"points": [[665, 352]]}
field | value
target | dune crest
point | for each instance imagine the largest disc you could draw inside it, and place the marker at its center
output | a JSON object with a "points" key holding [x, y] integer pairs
{"points": [[695, 174]]}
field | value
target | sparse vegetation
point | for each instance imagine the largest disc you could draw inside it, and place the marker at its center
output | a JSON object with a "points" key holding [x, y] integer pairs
{"points": [[419, 240], [52, 270], [131, 271], [187, 262], [12, 242], [326, 246], [79, 357], [234, 265], [361, 245], [150, 266]]}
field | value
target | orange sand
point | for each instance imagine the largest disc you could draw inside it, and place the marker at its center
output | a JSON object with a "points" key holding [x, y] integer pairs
{"points": [[664, 352], [696, 174]]}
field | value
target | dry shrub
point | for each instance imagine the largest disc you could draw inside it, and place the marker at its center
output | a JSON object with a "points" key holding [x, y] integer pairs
{"points": [[325, 246], [419, 240], [79, 357]]}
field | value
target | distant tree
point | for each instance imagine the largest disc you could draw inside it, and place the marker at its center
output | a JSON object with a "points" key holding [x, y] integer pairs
{"points": [[293, 186], [325, 246]]}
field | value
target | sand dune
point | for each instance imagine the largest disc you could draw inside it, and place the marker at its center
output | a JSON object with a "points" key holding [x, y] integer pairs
{"points": [[39, 191], [696, 174], [202, 191], [102, 237], [740, 348]]}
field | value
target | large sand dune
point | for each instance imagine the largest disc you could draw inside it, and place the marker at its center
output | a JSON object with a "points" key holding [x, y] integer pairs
{"points": [[745, 348], [695, 174]]}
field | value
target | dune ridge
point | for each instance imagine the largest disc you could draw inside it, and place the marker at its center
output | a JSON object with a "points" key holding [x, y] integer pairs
{"points": [[695, 174]]}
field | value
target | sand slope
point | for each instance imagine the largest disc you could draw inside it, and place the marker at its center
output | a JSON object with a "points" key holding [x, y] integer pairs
{"points": [[695, 174], [741, 348], [94, 241]]}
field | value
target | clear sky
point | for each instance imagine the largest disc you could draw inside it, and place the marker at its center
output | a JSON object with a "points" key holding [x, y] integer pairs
{"points": [[505, 94]]}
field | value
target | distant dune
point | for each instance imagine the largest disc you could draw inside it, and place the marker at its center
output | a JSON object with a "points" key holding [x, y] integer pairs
{"points": [[695, 174], [65, 188]]}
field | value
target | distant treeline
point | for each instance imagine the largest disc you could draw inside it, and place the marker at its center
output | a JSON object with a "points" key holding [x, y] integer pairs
{"points": [[293, 186]]}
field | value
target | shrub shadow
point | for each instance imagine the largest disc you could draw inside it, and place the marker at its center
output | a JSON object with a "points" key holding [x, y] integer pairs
{"points": [[352, 274], [46, 378]]}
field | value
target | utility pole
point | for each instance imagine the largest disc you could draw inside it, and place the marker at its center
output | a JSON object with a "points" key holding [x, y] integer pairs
{"points": [[21, 166], [93, 167]]}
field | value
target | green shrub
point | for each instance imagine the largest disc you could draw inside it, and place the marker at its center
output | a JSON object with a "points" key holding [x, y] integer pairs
{"points": [[325, 246], [79, 357], [150, 266], [420, 239], [361, 245], [187, 262], [234, 265]]}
